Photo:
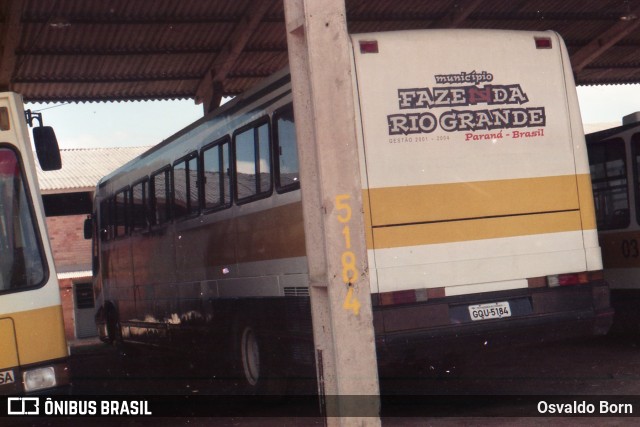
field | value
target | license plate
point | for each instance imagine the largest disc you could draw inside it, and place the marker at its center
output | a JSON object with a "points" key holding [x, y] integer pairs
{"points": [[7, 377], [494, 310]]}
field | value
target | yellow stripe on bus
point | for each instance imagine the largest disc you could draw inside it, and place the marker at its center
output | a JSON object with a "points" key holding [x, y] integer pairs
{"points": [[475, 229], [8, 354], [40, 334], [267, 238], [442, 202]]}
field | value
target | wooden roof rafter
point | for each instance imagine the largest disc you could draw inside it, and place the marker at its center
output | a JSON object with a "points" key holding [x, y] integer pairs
{"points": [[460, 12], [210, 89], [52, 50], [598, 46], [10, 36]]}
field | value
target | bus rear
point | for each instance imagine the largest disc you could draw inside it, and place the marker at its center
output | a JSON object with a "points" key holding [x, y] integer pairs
{"points": [[477, 188], [33, 352]]}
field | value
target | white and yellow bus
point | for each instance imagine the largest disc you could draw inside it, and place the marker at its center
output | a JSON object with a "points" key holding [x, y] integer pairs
{"points": [[477, 197], [614, 156], [33, 350]]}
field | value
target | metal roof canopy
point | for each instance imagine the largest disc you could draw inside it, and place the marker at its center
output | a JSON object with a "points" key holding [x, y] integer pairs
{"points": [[116, 50]]}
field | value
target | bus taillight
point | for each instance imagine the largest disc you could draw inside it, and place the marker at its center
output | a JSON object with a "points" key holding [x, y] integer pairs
{"points": [[543, 43], [571, 279], [368, 46]]}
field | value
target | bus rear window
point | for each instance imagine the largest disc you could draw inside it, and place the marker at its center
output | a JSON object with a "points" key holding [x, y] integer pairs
{"points": [[22, 261]]}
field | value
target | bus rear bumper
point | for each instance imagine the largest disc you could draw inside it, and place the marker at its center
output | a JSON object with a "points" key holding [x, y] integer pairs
{"points": [[548, 315]]}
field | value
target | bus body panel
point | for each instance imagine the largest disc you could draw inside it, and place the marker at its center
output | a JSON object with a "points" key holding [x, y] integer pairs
{"points": [[470, 149]]}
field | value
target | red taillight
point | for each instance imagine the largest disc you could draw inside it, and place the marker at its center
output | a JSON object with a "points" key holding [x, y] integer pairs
{"points": [[568, 279], [368, 46], [571, 279], [565, 279], [543, 43]]}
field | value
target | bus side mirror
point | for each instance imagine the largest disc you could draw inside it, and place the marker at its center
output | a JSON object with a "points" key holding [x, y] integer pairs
{"points": [[47, 148], [88, 228]]}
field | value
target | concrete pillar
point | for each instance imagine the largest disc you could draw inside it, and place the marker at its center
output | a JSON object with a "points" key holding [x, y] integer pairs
{"points": [[320, 63]]}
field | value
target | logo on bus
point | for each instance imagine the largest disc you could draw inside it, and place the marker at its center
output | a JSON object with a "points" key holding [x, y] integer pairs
{"points": [[506, 106]]}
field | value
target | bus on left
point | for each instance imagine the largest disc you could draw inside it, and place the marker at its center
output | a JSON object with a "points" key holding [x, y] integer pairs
{"points": [[33, 349]]}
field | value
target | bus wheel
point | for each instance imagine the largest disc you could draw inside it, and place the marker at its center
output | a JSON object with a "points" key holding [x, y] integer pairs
{"points": [[114, 333], [250, 356], [255, 366], [112, 326], [127, 353]]}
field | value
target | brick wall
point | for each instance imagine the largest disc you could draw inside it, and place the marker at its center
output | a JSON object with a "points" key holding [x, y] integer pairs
{"points": [[71, 251]]}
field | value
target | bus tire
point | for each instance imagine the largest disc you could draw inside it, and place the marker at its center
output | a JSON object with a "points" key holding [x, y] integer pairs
{"points": [[127, 353], [114, 331], [254, 365]]}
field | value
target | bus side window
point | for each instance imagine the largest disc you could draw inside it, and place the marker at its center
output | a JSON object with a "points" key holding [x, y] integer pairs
{"points": [[253, 162], [186, 200], [161, 197], [607, 161], [139, 196], [287, 171], [216, 177], [121, 209], [105, 226]]}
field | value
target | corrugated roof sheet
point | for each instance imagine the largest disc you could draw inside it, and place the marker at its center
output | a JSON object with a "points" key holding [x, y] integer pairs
{"points": [[83, 168], [70, 50]]}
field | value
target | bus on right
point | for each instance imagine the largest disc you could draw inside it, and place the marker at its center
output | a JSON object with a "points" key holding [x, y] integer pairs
{"points": [[614, 159]]}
